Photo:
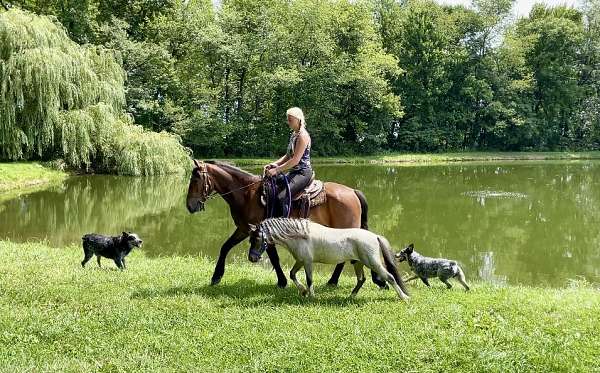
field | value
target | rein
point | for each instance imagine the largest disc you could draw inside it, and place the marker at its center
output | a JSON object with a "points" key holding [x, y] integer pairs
{"points": [[214, 193]]}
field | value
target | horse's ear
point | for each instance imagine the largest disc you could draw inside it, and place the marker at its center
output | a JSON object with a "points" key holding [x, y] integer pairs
{"points": [[196, 163]]}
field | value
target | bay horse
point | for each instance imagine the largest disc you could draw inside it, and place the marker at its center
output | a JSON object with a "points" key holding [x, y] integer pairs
{"points": [[344, 208]]}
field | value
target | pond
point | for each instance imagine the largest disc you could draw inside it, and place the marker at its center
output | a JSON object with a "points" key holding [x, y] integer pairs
{"points": [[533, 223]]}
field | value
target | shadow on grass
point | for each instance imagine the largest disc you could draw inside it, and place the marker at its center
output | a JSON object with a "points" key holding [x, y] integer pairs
{"points": [[249, 293]]}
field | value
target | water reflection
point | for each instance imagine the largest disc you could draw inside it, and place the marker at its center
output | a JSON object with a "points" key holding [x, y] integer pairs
{"points": [[530, 223]]}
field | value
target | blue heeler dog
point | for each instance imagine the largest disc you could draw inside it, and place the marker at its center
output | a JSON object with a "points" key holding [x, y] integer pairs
{"points": [[115, 248], [425, 267]]}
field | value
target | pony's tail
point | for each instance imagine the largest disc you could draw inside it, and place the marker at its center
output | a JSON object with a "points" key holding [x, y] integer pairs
{"points": [[364, 209], [388, 260]]}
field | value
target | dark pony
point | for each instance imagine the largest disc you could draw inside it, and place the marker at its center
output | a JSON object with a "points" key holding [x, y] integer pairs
{"points": [[344, 208]]}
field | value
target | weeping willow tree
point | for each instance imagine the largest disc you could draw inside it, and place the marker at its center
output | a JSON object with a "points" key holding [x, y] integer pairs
{"points": [[59, 99]]}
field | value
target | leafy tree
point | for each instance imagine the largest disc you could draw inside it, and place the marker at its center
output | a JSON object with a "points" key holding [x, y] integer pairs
{"points": [[58, 99], [550, 40]]}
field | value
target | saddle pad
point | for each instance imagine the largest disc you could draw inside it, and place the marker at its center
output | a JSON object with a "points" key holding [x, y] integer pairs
{"points": [[312, 190], [315, 192]]}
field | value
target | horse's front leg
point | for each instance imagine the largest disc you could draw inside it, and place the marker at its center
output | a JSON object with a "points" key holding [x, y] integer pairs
{"points": [[274, 258], [237, 237], [308, 271], [335, 276]]}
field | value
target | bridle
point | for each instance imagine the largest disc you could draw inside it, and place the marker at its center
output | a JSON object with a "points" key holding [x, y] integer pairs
{"points": [[263, 244], [208, 191], [207, 185]]}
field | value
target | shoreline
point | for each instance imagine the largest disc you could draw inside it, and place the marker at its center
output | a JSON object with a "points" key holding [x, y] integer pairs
{"points": [[18, 178], [432, 158]]}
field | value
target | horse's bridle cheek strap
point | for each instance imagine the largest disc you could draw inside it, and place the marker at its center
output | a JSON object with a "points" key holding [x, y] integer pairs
{"points": [[205, 181]]}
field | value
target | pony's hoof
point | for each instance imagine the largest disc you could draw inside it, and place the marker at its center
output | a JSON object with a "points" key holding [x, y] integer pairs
{"points": [[215, 281]]}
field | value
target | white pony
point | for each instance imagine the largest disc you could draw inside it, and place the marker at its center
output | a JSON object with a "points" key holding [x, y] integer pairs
{"points": [[310, 242]]}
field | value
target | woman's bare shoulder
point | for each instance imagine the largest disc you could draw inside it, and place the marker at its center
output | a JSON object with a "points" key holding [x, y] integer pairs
{"points": [[304, 133]]}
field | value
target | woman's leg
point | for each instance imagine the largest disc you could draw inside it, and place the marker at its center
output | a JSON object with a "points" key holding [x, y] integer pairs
{"points": [[297, 181]]}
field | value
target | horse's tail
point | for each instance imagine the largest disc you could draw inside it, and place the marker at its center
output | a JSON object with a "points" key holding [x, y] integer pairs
{"points": [[364, 209], [388, 260]]}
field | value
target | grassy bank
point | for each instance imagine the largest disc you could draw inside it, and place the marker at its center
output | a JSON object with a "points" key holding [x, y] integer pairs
{"points": [[436, 158], [160, 315], [24, 176]]}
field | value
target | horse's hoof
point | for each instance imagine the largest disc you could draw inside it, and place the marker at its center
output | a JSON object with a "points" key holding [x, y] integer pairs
{"points": [[215, 281], [332, 284], [282, 284]]}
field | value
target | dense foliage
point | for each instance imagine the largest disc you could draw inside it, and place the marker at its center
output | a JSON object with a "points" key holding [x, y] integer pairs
{"points": [[59, 99], [371, 75]]}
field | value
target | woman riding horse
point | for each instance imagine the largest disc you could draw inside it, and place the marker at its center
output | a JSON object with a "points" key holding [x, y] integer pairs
{"points": [[343, 207], [295, 164]]}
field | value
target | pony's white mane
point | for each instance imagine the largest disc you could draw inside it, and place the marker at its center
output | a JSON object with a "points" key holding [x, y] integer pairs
{"points": [[281, 229]]}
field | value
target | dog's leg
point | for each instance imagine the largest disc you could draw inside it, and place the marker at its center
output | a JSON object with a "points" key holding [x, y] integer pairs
{"points": [[308, 269], [461, 278], [360, 278], [98, 260], [87, 256], [425, 281], [123, 261], [119, 262], [445, 281], [293, 277]]}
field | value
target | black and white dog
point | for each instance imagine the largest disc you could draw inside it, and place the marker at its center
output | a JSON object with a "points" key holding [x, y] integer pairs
{"points": [[115, 248], [425, 267]]}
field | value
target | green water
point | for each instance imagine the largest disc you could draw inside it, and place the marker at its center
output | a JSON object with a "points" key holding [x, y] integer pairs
{"points": [[519, 223]]}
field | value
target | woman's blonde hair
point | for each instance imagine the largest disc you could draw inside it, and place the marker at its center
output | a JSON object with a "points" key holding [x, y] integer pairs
{"points": [[296, 112]]}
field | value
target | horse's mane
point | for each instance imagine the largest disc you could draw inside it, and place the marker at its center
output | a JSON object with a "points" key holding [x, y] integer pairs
{"points": [[232, 169], [285, 228]]}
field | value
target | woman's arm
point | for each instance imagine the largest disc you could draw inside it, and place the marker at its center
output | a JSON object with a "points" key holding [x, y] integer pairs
{"points": [[276, 163], [299, 148], [281, 160]]}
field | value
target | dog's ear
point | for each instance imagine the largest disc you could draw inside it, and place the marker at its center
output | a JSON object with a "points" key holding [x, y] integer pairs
{"points": [[410, 248], [252, 227], [124, 234]]}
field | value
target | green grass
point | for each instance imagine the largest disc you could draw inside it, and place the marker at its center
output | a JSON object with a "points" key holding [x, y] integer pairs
{"points": [[19, 177], [435, 158], [160, 315]]}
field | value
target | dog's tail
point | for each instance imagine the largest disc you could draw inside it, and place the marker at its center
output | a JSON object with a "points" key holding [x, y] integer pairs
{"points": [[388, 260], [364, 209]]}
